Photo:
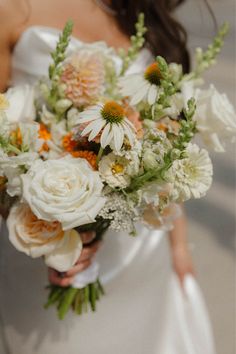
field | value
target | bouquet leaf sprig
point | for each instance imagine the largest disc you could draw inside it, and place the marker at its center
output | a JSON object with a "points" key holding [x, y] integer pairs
{"points": [[186, 133], [58, 57], [205, 59], [168, 88], [137, 42]]}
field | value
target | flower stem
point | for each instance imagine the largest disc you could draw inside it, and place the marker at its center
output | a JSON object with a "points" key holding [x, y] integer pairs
{"points": [[100, 153]]}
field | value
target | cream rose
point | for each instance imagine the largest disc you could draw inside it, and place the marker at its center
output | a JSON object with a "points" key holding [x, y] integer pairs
{"points": [[65, 190], [37, 238]]}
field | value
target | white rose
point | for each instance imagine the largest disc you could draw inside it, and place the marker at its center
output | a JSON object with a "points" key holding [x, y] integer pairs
{"points": [[216, 118], [21, 103], [37, 238], [12, 167], [65, 190]]}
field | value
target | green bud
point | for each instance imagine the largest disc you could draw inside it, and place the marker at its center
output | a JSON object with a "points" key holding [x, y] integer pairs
{"points": [[149, 160], [148, 123], [175, 154], [62, 105]]}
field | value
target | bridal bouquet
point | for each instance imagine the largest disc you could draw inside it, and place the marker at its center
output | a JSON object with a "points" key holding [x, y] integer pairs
{"points": [[96, 146]]}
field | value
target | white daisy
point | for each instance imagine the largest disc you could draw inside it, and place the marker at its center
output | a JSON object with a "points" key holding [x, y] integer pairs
{"points": [[109, 121], [143, 87], [192, 176]]}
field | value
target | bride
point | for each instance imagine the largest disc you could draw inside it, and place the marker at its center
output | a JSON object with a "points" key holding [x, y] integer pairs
{"points": [[148, 308]]}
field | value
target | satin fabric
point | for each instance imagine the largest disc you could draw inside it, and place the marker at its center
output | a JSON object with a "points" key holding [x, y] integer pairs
{"points": [[144, 310]]}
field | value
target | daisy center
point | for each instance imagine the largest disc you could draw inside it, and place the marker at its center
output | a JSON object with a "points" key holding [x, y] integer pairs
{"points": [[153, 74], [112, 112], [117, 168], [3, 102]]}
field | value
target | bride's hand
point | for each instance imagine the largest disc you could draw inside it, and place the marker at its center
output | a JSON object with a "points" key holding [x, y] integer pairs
{"points": [[84, 261], [182, 262]]}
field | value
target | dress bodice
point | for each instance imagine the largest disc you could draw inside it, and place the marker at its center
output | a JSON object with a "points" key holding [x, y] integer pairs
{"points": [[31, 55]]}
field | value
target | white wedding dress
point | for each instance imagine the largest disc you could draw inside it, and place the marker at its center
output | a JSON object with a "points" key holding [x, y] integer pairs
{"points": [[144, 310]]}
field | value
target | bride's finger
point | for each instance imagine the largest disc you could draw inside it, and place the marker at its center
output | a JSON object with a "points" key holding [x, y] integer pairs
{"points": [[88, 236], [55, 278], [78, 268], [89, 251]]}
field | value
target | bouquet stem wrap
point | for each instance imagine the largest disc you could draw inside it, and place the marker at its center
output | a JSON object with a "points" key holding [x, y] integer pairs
{"points": [[86, 289]]}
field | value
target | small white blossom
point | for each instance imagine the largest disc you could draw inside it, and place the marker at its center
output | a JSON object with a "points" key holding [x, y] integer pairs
{"points": [[117, 170]]}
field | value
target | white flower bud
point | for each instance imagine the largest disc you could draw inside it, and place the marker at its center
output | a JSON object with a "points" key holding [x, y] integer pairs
{"points": [[176, 71], [148, 123], [61, 90], [62, 105], [149, 160]]}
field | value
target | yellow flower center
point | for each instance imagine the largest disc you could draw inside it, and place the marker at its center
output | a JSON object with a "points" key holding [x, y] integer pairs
{"points": [[112, 112], [153, 74], [117, 168], [16, 137], [3, 102]]}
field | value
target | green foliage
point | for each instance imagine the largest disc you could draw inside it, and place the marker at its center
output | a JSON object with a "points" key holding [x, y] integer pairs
{"points": [[58, 57], [205, 59], [137, 42], [177, 152], [7, 147]]}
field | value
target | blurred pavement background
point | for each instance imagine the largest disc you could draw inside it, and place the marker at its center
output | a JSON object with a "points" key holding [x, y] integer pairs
{"points": [[212, 219]]}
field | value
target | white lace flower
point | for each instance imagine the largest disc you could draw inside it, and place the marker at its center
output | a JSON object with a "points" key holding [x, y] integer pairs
{"points": [[143, 87], [121, 214], [109, 121], [191, 176]]}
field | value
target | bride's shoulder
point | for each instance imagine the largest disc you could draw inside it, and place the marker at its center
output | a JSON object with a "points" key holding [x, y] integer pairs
{"points": [[12, 19]]}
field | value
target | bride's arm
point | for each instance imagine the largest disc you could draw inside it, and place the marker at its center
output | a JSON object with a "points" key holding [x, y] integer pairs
{"points": [[4, 61], [181, 255], [6, 42]]}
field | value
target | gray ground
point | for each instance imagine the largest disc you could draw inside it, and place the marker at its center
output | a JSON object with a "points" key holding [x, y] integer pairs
{"points": [[212, 219]]}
